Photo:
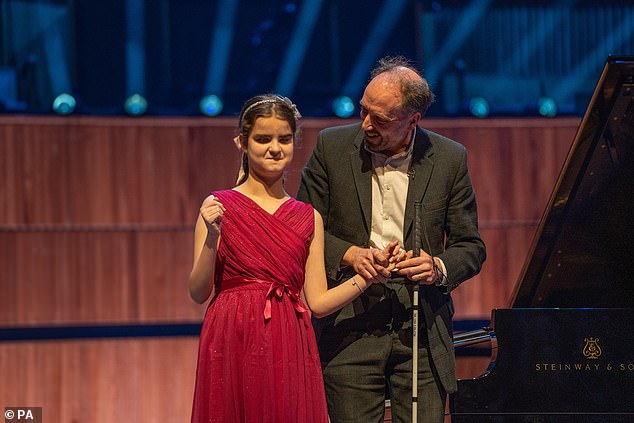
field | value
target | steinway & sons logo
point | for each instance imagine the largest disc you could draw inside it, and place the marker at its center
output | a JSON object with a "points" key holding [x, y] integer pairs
{"points": [[592, 350], [589, 360]]}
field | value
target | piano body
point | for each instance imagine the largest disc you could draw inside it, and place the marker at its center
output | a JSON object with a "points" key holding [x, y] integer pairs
{"points": [[564, 350]]}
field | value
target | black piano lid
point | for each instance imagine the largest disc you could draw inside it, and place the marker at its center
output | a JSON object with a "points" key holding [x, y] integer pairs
{"points": [[583, 251]]}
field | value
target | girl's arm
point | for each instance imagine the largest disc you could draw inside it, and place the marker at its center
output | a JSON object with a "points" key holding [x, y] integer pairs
{"points": [[206, 240], [321, 300]]}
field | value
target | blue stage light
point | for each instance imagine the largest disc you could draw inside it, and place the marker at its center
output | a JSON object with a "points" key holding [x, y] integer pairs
{"points": [[343, 107], [479, 107], [290, 7], [210, 105], [64, 104], [135, 105], [547, 107]]}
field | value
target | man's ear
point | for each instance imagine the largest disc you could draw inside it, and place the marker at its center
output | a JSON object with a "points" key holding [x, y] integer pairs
{"points": [[414, 120]]}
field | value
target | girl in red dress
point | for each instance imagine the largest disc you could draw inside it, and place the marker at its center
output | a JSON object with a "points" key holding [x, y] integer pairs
{"points": [[257, 250]]}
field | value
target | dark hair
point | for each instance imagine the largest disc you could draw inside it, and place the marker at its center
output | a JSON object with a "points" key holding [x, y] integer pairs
{"points": [[265, 105], [417, 96]]}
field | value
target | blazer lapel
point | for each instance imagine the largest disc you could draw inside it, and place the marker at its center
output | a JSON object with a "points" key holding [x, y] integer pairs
{"points": [[361, 164], [420, 173]]}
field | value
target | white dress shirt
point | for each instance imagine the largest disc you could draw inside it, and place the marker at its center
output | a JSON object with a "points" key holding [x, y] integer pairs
{"points": [[390, 180]]}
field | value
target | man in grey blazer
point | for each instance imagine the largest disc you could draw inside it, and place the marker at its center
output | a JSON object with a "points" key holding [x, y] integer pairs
{"points": [[364, 179]]}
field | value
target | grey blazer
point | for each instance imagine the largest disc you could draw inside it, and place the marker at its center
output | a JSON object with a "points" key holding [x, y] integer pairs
{"points": [[337, 181]]}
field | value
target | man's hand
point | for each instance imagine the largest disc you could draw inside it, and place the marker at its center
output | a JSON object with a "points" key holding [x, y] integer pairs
{"points": [[373, 263], [419, 269], [389, 256]]}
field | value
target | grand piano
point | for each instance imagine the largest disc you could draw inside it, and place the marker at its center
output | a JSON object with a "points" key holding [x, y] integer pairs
{"points": [[564, 350]]}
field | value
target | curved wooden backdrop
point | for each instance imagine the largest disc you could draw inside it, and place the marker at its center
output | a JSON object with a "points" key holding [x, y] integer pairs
{"points": [[96, 224]]}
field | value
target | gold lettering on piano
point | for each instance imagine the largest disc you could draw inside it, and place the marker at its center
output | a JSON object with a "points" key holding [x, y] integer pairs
{"points": [[566, 367], [581, 367], [592, 350]]}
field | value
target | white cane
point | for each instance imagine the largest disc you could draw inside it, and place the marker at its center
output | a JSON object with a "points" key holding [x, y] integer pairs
{"points": [[418, 241], [415, 355]]}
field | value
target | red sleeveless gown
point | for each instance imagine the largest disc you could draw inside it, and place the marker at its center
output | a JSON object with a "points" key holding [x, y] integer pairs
{"points": [[258, 359]]}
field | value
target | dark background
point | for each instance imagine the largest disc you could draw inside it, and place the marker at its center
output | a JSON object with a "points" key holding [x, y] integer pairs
{"points": [[510, 53]]}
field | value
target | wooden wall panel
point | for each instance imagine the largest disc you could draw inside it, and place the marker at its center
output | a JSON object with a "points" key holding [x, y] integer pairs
{"points": [[97, 214], [101, 381], [90, 171], [506, 250], [513, 162], [89, 277]]}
